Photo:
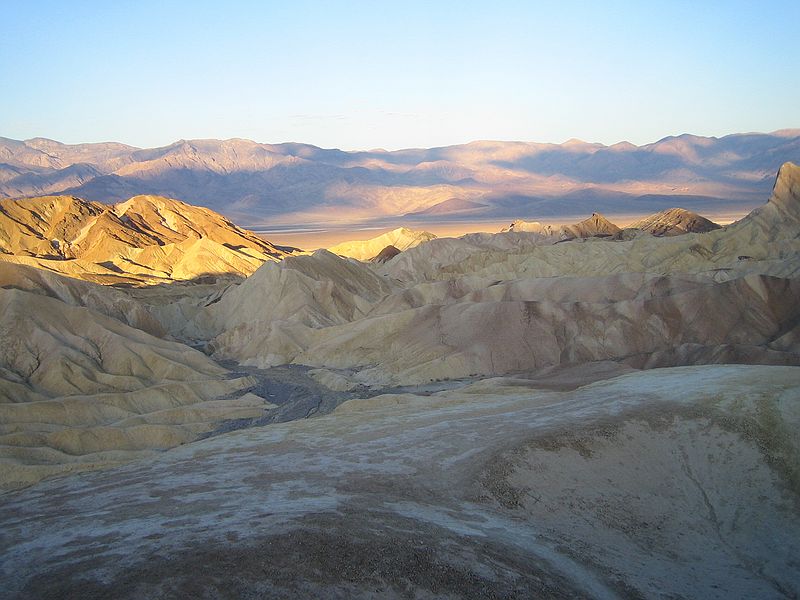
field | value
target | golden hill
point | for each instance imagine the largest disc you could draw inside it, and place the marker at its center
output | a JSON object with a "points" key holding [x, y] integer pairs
{"points": [[401, 238], [144, 240], [675, 221]]}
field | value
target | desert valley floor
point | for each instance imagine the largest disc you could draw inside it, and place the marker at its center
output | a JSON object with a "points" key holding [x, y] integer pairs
{"points": [[188, 410]]}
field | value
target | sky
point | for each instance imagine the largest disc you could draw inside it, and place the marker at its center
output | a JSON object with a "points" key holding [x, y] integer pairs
{"points": [[363, 75]]}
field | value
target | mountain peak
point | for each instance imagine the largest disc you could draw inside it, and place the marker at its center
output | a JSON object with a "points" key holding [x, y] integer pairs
{"points": [[786, 191], [596, 225]]}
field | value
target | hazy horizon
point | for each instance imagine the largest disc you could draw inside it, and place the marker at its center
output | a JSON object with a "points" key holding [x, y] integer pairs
{"points": [[411, 75]]}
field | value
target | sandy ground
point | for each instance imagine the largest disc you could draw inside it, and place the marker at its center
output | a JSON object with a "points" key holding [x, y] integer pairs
{"points": [[669, 483]]}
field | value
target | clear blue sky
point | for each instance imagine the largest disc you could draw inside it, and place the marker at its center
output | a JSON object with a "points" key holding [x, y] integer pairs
{"points": [[396, 74]]}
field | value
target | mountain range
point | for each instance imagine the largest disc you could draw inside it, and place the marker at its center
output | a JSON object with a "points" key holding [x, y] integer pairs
{"points": [[285, 184]]}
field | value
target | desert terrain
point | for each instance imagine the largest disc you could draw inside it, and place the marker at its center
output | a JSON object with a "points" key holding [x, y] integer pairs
{"points": [[589, 407]]}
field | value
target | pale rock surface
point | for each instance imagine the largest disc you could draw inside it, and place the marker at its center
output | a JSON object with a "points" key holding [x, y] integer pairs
{"points": [[735, 321], [269, 317], [530, 226]]}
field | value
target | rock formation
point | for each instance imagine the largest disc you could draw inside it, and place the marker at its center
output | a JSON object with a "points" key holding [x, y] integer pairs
{"points": [[386, 254], [675, 221], [596, 225]]}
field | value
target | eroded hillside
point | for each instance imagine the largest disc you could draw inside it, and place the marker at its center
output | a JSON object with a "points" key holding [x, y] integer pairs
{"points": [[144, 240], [493, 304]]}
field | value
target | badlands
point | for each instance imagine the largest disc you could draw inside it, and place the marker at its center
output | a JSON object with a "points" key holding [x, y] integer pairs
{"points": [[584, 411]]}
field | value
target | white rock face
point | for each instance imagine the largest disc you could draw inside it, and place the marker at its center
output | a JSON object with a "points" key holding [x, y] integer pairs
{"points": [[530, 226]]}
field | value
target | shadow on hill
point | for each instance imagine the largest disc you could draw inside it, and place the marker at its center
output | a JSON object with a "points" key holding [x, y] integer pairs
{"points": [[203, 279]]}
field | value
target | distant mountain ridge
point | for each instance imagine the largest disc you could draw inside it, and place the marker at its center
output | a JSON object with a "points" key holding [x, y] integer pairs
{"points": [[256, 183]]}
